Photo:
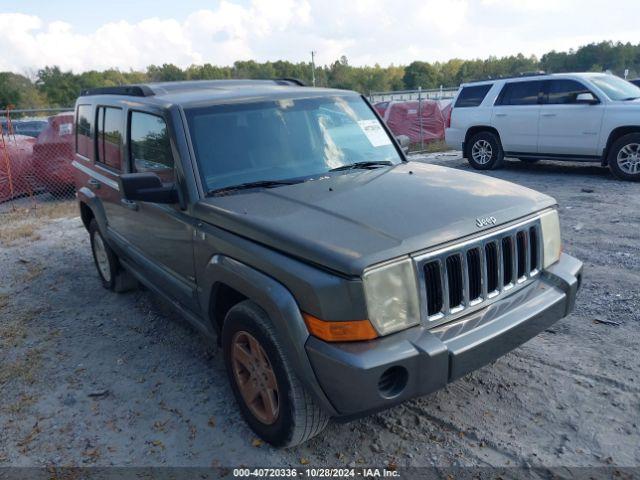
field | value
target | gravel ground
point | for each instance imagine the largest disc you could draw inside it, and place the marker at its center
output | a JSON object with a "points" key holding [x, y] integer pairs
{"points": [[89, 377]]}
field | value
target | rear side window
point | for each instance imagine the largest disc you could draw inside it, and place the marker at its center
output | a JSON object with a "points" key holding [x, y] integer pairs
{"points": [[109, 138], [564, 91], [472, 96], [150, 146], [83, 130], [520, 93]]}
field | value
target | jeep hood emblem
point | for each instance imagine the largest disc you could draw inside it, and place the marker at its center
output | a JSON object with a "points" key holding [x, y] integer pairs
{"points": [[485, 221]]}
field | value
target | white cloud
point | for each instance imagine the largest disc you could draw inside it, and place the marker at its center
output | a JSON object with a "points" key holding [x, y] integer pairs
{"points": [[366, 31]]}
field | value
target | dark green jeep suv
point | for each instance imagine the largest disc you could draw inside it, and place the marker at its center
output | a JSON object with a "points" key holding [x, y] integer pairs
{"points": [[286, 222]]}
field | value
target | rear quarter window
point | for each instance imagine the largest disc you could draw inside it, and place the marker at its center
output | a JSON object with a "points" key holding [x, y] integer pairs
{"points": [[472, 96], [83, 131]]}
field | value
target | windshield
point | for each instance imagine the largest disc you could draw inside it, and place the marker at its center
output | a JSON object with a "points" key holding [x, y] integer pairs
{"points": [[616, 88], [285, 139]]}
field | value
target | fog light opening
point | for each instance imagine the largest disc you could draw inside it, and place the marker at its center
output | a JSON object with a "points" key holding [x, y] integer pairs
{"points": [[392, 381]]}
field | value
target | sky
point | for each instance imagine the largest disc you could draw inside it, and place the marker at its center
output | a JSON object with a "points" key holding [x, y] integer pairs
{"points": [[86, 35]]}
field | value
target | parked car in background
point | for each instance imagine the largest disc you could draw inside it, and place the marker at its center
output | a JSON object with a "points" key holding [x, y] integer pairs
{"points": [[592, 117], [636, 82], [53, 155], [338, 277], [29, 128]]}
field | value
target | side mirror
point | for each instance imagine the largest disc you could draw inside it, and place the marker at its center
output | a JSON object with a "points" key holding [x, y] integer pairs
{"points": [[404, 142], [146, 187], [586, 98]]}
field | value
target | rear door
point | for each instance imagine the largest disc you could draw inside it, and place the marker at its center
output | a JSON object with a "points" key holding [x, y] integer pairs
{"points": [[567, 127], [516, 115]]}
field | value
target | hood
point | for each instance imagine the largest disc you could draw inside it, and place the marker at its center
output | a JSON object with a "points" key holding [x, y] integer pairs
{"points": [[348, 222]]}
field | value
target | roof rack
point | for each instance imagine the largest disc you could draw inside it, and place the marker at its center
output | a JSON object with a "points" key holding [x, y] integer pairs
{"points": [[520, 75], [130, 90], [290, 80]]}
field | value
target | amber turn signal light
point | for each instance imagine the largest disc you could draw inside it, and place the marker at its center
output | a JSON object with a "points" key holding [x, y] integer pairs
{"points": [[350, 331]]}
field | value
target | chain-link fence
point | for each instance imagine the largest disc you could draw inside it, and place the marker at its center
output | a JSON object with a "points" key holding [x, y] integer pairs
{"points": [[36, 151], [421, 115]]}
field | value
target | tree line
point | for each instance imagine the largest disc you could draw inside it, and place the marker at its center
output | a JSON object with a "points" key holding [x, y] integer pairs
{"points": [[53, 87]]}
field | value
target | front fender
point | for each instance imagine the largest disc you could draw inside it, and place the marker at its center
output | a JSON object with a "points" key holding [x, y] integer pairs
{"points": [[281, 307]]}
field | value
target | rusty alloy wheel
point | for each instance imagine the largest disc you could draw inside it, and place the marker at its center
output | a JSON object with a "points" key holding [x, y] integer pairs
{"points": [[255, 377]]}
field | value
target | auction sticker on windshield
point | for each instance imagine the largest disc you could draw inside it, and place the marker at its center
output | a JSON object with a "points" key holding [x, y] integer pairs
{"points": [[374, 132]]}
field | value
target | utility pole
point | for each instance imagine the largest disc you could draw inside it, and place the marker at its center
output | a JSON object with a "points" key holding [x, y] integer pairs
{"points": [[313, 68]]}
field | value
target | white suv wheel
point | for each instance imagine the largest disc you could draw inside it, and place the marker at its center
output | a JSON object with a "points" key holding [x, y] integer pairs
{"points": [[482, 152], [629, 159]]}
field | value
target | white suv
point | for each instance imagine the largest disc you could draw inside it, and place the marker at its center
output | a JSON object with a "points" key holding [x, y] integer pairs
{"points": [[573, 116]]}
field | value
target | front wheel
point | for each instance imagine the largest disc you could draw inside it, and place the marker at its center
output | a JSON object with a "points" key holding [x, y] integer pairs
{"points": [[271, 399], [485, 151], [624, 157]]}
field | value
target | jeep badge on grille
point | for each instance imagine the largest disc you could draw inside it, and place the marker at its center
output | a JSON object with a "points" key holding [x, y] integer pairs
{"points": [[485, 221]]}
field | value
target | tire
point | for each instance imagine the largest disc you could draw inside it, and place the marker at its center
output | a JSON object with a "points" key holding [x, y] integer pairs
{"points": [[298, 418], [529, 160], [489, 151], [624, 157], [112, 275]]}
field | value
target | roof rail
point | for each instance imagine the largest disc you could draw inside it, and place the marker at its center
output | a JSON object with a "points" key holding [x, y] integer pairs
{"points": [[130, 90], [290, 80], [519, 75]]}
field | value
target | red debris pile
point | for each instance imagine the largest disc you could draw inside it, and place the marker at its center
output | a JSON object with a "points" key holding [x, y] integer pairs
{"points": [[53, 154], [421, 121]]}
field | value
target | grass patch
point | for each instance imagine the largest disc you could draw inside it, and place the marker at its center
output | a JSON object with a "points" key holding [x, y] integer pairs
{"points": [[22, 224], [24, 369], [430, 147]]}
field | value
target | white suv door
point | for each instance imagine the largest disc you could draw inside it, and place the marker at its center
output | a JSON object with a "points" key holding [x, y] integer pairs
{"points": [[516, 114], [567, 127]]}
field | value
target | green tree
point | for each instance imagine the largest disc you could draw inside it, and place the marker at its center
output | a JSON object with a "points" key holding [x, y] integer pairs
{"points": [[420, 74]]}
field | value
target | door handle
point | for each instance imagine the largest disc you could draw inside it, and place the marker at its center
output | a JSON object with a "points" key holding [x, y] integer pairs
{"points": [[93, 183], [501, 114], [548, 114], [130, 204]]}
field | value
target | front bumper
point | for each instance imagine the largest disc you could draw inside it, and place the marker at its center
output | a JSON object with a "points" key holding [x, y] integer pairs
{"points": [[427, 359]]}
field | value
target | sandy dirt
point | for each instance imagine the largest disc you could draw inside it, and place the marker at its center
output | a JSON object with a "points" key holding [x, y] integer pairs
{"points": [[89, 377]]}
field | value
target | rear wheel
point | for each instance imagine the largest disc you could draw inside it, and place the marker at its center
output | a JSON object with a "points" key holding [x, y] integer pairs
{"points": [[271, 399], [624, 157], [112, 275], [105, 260], [485, 151]]}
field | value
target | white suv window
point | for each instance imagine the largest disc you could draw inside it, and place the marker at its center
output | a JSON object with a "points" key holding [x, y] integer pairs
{"points": [[520, 93], [564, 91]]}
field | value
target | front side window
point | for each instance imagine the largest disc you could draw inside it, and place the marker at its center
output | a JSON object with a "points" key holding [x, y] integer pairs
{"points": [[150, 146], [83, 130], [564, 91], [109, 138], [520, 93], [616, 88], [472, 96], [287, 139]]}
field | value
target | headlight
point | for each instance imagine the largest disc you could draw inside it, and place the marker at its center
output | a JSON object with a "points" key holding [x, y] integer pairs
{"points": [[550, 224], [391, 292]]}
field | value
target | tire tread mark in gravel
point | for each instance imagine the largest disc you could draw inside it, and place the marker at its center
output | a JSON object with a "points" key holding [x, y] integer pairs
{"points": [[572, 371], [444, 424]]}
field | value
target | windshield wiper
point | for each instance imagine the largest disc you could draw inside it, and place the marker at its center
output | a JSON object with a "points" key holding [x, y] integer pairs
{"points": [[248, 185], [629, 99], [370, 164]]}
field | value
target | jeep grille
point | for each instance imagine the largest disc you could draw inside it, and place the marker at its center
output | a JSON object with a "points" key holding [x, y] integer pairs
{"points": [[465, 277]]}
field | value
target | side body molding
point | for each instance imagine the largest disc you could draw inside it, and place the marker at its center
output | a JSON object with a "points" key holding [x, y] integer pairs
{"points": [[281, 307]]}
